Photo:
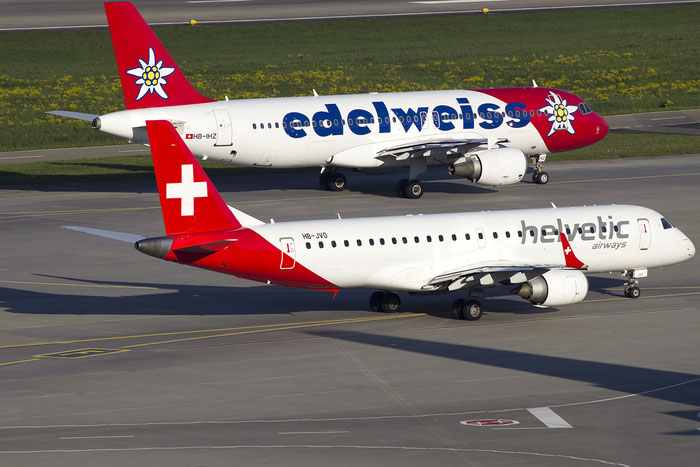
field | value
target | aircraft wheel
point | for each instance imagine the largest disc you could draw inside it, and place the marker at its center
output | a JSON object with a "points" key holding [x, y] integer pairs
{"points": [[543, 178], [633, 292], [472, 310], [401, 188], [375, 301], [390, 302], [457, 308], [336, 182], [323, 180], [413, 189]]}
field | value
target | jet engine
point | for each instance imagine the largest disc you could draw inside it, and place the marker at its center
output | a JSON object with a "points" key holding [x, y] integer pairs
{"points": [[502, 166], [554, 288]]}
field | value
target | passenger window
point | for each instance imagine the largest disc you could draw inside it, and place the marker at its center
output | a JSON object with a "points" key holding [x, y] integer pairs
{"points": [[371, 241], [454, 237], [520, 233], [467, 236], [262, 126], [333, 244], [359, 242], [429, 238], [568, 231], [284, 124], [532, 233], [320, 244], [255, 127], [616, 228], [415, 239], [440, 237], [507, 234], [604, 229], [381, 241], [277, 124], [495, 235], [468, 116], [580, 230], [481, 236], [346, 243], [393, 240], [269, 125], [308, 245], [404, 239], [350, 121]]}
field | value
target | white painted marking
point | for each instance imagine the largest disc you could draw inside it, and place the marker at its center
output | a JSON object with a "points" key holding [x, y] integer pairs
{"points": [[311, 432], [186, 191], [549, 418], [18, 157], [668, 118], [96, 437], [134, 150]]}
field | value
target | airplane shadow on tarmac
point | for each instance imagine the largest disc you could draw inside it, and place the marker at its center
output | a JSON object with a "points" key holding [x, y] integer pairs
{"points": [[380, 185], [622, 378], [182, 299]]}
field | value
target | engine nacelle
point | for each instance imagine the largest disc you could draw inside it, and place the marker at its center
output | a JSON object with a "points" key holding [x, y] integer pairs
{"points": [[554, 288], [502, 166]]}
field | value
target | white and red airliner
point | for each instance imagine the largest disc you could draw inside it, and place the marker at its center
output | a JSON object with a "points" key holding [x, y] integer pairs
{"points": [[485, 135], [531, 250]]}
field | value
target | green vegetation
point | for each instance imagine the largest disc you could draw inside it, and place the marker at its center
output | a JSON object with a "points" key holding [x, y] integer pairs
{"points": [[141, 167], [620, 60]]}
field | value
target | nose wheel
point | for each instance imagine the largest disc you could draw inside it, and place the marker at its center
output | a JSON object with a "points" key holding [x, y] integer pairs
{"points": [[631, 288]]}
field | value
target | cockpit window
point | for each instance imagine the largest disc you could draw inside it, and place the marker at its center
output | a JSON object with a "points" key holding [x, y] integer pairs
{"points": [[666, 224], [584, 108]]}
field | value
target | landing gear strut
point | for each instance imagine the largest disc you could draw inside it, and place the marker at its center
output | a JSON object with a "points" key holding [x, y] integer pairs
{"points": [[540, 177], [386, 302], [332, 181], [631, 289]]}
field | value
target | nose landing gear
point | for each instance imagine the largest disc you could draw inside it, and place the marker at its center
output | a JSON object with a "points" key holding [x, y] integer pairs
{"points": [[540, 177], [631, 289]]}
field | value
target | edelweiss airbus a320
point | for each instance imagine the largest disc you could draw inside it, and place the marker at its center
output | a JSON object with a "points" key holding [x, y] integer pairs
{"points": [[484, 135], [532, 250]]}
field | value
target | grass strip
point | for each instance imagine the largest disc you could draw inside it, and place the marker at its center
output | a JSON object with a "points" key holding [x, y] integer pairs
{"points": [[619, 60], [141, 167]]}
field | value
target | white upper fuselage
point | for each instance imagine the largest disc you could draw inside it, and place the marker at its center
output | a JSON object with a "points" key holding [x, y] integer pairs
{"points": [[350, 130], [408, 252]]}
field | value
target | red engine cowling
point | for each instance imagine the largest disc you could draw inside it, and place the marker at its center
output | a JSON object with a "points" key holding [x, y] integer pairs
{"points": [[554, 288], [502, 166]]}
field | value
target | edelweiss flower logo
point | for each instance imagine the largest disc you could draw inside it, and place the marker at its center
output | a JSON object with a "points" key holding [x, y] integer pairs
{"points": [[559, 113], [151, 76]]}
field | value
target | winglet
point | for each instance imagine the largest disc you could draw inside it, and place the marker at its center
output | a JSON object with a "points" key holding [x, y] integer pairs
{"points": [[570, 258]]}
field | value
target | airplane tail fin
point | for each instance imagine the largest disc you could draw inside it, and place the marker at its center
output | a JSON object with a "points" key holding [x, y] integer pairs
{"points": [[149, 76], [188, 199]]}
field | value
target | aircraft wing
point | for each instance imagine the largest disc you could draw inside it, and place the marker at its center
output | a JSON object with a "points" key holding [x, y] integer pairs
{"points": [[422, 146], [75, 115], [487, 274], [121, 236]]}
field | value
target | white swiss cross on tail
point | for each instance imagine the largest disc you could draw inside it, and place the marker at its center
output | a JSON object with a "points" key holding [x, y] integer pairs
{"points": [[187, 190]]}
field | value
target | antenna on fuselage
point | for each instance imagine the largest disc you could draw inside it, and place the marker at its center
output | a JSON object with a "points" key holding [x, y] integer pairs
{"points": [[315, 93], [534, 84]]}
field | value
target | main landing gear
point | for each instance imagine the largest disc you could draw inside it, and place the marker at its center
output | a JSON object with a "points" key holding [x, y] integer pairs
{"points": [[389, 302], [386, 302], [411, 189], [332, 181], [631, 289], [540, 177]]}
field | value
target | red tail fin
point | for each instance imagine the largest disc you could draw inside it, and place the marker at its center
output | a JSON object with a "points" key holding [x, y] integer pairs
{"points": [[189, 201], [150, 78]]}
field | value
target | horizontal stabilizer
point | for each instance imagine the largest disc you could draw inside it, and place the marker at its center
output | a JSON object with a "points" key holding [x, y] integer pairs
{"points": [[75, 115], [121, 236]]}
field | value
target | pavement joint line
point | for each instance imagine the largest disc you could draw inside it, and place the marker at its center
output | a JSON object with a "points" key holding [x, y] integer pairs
{"points": [[643, 296], [102, 286], [176, 333]]}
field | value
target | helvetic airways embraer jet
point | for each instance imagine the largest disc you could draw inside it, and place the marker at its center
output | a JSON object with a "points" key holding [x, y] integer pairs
{"points": [[531, 250], [484, 135]]}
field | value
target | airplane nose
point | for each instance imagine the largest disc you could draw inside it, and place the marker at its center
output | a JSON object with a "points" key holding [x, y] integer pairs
{"points": [[691, 249]]}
